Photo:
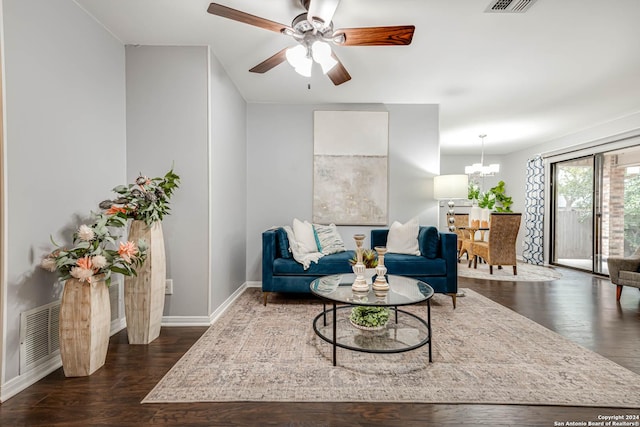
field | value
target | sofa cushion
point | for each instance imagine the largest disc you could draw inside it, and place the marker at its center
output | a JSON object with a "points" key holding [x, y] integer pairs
{"points": [[304, 236], [403, 238], [429, 239], [329, 264], [329, 239], [283, 243], [412, 265]]}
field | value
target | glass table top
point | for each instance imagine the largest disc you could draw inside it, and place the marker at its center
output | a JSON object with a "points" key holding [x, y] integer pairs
{"points": [[402, 291]]}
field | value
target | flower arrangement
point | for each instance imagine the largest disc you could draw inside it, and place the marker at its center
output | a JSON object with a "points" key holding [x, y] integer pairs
{"points": [[94, 254], [369, 316], [147, 199], [369, 258]]}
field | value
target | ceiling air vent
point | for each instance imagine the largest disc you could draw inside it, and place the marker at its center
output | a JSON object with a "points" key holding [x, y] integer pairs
{"points": [[509, 6]]}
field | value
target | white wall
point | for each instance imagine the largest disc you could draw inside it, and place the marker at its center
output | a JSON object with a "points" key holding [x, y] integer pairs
{"points": [[280, 167], [228, 201], [167, 123], [65, 141]]}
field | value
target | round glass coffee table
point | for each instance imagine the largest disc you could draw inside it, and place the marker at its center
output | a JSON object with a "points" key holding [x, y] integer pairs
{"points": [[403, 332]]}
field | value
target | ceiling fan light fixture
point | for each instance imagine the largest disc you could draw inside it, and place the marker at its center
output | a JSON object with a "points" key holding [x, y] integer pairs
{"points": [[299, 59], [304, 69], [321, 52]]}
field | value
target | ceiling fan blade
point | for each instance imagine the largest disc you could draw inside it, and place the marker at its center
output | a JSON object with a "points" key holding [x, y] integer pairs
{"points": [[338, 74], [270, 62], [376, 36], [322, 10], [237, 15]]}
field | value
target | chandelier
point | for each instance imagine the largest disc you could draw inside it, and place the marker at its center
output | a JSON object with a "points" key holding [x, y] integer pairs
{"points": [[479, 168]]}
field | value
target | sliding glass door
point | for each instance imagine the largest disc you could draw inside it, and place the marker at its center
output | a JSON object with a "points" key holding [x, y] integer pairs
{"points": [[573, 213], [596, 209]]}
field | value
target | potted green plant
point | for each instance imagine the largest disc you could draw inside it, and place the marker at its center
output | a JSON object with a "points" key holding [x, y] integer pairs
{"points": [[494, 199], [369, 258], [369, 318], [502, 201]]}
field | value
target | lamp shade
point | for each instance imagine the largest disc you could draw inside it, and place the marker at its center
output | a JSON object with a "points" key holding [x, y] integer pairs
{"points": [[448, 187]]}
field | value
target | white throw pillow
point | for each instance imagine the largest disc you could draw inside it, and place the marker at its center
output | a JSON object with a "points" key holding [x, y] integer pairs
{"points": [[403, 238], [304, 236]]}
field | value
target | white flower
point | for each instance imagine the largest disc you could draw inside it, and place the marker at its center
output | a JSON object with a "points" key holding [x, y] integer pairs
{"points": [[82, 274], [99, 261], [86, 233], [48, 264]]}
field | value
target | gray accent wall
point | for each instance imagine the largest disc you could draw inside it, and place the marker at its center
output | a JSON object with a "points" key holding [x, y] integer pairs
{"points": [[280, 168], [65, 142], [167, 123], [228, 200], [183, 109]]}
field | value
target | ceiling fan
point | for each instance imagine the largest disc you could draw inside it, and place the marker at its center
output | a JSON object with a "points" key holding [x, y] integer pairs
{"points": [[313, 30]]}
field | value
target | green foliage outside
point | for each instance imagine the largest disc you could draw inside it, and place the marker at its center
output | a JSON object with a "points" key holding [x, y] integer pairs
{"points": [[575, 184], [631, 213]]}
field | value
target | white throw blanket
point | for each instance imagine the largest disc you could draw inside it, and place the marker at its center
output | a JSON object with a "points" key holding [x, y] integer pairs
{"points": [[303, 258]]}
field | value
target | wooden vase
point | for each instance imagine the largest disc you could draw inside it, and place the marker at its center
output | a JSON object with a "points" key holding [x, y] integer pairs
{"points": [[85, 323], [144, 293]]}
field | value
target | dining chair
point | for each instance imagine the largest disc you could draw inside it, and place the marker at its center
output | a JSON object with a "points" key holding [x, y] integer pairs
{"points": [[461, 220], [500, 247]]}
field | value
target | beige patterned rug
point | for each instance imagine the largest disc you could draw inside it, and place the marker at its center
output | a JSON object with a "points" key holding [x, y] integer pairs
{"points": [[526, 272], [482, 353]]}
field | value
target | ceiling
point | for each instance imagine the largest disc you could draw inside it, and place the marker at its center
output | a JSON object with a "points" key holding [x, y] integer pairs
{"points": [[520, 78]]}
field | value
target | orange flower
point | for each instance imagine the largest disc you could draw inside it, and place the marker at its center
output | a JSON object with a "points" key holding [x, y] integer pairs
{"points": [[85, 263], [127, 251], [115, 209]]}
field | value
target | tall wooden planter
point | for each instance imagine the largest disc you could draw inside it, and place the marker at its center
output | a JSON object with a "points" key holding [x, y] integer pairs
{"points": [[85, 322], [144, 293]]}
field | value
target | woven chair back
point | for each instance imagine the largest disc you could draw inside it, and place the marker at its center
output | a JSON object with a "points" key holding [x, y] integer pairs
{"points": [[504, 230]]}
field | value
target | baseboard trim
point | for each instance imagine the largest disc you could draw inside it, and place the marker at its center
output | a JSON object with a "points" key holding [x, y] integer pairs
{"points": [[208, 320], [227, 303], [185, 321], [24, 381]]}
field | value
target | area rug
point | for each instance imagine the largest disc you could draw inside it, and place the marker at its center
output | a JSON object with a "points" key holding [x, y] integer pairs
{"points": [[526, 272], [482, 353]]}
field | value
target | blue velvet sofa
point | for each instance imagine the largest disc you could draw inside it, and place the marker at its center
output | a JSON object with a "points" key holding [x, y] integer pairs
{"points": [[437, 265]]}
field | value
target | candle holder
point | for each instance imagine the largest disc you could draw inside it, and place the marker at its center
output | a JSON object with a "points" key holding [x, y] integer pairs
{"points": [[360, 284], [380, 285]]}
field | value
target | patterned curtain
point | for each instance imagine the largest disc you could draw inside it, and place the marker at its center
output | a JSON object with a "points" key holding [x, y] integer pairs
{"points": [[533, 245]]}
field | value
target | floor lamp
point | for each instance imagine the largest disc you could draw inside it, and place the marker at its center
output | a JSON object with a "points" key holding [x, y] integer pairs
{"points": [[450, 187]]}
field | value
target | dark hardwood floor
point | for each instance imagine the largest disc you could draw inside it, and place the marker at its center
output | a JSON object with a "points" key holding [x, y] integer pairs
{"points": [[579, 306]]}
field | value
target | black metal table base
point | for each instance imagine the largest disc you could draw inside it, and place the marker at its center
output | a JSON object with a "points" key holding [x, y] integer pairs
{"points": [[335, 344]]}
